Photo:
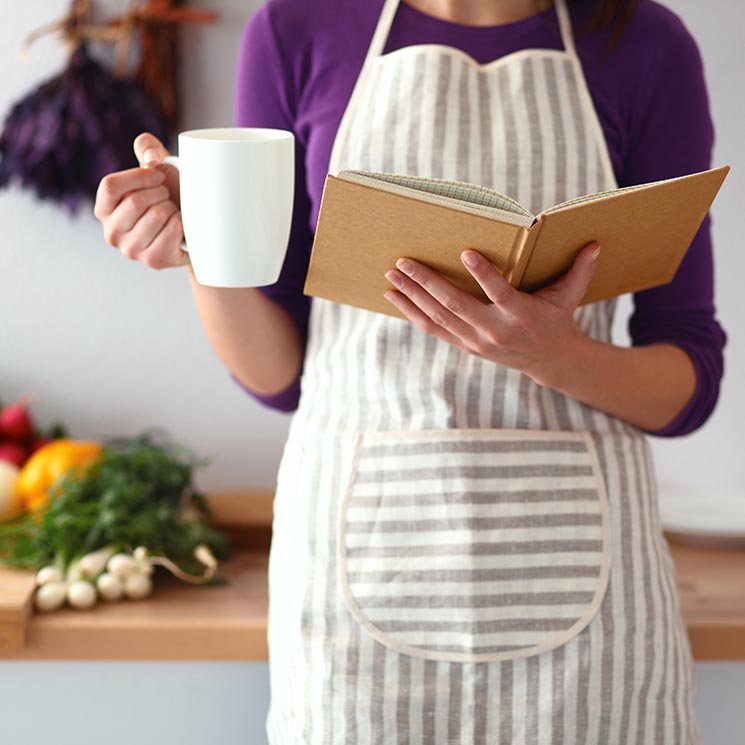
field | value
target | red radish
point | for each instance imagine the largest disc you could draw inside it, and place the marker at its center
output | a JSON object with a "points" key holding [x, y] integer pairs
{"points": [[16, 422], [13, 452], [39, 442]]}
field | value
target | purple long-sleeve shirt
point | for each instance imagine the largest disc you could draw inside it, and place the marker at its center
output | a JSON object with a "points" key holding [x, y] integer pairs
{"points": [[298, 63]]}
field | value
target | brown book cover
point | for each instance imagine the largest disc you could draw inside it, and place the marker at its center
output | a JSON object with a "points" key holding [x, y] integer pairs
{"points": [[368, 220]]}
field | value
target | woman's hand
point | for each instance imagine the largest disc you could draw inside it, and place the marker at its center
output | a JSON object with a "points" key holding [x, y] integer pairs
{"points": [[531, 332], [140, 208]]}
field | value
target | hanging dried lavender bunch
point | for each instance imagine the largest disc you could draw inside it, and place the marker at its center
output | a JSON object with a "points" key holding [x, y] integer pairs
{"points": [[159, 24], [74, 129]]}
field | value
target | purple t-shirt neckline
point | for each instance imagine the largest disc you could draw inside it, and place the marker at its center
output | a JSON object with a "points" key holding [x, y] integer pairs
{"points": [[431, 22]]}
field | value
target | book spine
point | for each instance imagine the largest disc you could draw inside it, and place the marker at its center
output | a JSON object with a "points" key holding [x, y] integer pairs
{"points": [[522, 259], [514, 256]]}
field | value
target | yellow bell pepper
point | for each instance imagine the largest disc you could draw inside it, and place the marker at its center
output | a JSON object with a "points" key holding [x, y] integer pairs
{"points": [[10, 502], [48, 464]]}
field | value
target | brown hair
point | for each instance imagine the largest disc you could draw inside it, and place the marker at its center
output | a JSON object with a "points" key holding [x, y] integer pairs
{"points": [[614, 14]]}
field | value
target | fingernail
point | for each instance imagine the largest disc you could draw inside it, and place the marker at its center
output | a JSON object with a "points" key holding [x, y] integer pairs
{"points": [[405, 266], [158, 175], [595, 254], [470, 258], [150, 156], [394, 278]]}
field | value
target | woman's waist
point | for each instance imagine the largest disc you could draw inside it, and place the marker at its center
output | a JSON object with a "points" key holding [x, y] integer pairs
{"points": [[512, 401]]}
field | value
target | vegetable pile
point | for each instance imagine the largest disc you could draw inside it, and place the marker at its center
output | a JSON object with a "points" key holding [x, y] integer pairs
{"points": [[20, 439], [108, 521]]}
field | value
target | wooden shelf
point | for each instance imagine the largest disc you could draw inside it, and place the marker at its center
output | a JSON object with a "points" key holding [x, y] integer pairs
{"points": [[711, 583], [177, 622], [228, 622]]}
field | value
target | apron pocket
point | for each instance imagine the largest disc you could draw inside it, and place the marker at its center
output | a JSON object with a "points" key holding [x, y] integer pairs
{"points": [[474, 545]]}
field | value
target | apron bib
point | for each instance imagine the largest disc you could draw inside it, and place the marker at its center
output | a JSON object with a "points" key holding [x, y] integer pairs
{"points": [[460, 555]]}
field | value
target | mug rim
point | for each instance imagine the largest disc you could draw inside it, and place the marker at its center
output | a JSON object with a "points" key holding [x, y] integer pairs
{"points": [[274, 135]]}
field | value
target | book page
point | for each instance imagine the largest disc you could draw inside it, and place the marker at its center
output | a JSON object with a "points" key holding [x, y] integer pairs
{"points": [[609, 193], [470, 197]]}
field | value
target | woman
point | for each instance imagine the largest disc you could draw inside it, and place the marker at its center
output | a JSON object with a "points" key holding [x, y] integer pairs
{"points": [[466, 543]]}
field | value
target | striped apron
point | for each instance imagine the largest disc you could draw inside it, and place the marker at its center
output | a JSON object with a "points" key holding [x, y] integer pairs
{"points": [[459, 554]]}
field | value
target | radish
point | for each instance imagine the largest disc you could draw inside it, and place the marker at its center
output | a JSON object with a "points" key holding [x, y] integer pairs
{"points": [[15, 420], [203, 554], [121, 565], [50, 596], [142, 560], [39, 442], [109, 586], [94, 563], [81, 594], [138, 586], [13, 452], [48, 574]]}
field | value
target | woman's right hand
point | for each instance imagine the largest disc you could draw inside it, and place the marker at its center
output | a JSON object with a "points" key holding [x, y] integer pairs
{"points": [[140, 208]]}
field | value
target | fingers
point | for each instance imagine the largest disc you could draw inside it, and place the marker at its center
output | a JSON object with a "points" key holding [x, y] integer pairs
{"points": [[571, 287], [150, 152], [114, 186], [494, 285], [143, 228], [421, 320], [578, 277], [135, 242], [139, 208], [165, 249], [424, 287], [149, 149], [132, 207]]}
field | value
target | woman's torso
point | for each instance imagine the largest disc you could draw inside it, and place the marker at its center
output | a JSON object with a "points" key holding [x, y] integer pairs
{"points": [[328, 69], [372, 637]]}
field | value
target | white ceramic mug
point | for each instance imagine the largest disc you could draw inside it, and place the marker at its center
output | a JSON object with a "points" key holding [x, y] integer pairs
{"points": [[237, 186]]}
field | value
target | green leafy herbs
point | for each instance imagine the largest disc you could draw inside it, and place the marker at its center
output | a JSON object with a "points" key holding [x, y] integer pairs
{"points": [[139, 493]]}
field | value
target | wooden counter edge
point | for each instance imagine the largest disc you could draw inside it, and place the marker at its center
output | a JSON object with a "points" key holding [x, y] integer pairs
{"points": [[16, 607], [220, 622], [720, 638], [237, 644], [717, 642]]}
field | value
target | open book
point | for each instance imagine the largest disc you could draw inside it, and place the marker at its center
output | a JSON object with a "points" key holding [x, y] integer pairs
{"points": [[368, 220]]}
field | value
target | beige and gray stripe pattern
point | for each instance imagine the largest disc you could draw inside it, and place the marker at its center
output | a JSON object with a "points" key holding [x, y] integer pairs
{"points": [[474, 545], [519, 126]]}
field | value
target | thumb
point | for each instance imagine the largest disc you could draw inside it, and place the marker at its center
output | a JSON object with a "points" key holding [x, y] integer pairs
{"points": [[149, 150], [569, 289]]}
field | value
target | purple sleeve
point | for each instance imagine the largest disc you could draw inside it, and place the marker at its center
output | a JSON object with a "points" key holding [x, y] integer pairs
{"points": [[671, 134], [266, 96]]}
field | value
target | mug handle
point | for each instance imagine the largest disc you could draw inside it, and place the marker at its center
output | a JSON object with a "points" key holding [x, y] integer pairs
{"points": [[172, 160]]}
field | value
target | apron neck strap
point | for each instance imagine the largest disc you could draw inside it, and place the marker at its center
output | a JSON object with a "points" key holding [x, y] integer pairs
{"points": [[381, 31], [380, 36], [565, 26]]}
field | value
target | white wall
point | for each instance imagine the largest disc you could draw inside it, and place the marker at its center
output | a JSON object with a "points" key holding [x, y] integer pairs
{"points": [[105, 344], [111, 347]]}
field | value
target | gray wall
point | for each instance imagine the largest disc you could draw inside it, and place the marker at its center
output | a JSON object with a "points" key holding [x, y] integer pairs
{"points": [[105, 344], [120, 703], [109, 347]]}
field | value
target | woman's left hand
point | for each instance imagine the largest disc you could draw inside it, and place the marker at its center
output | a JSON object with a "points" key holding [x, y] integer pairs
{"points": [[531, 332]]}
